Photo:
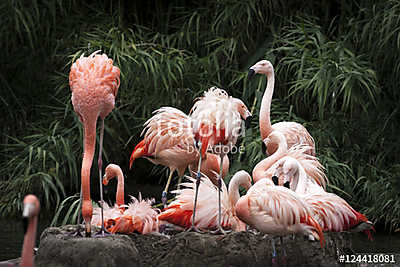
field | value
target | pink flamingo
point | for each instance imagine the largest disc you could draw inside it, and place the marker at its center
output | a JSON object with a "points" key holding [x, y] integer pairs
{"points": [[180, 211], [294, 132], [277, 211], [216, 121], [30, 215], [331, 211], [94, 83], [136, 216], [266, 167]]}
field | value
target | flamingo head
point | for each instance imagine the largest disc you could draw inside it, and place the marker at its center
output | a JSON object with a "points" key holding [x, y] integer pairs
{"points": [[31, 208], [110, 172], [243, 110], [261, 67]]}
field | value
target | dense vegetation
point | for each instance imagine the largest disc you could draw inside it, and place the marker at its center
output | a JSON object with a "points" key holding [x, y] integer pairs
{"points": [[336, 63]]}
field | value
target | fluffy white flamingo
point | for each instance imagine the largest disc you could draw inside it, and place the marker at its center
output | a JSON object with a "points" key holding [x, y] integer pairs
{"points": [[266, 167], [331, 211], [180, 211], [94, 82], [216, 119], [294, 132], [136, 216], [277, 211]]}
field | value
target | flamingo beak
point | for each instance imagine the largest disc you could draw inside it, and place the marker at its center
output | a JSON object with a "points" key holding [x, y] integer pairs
{"points": [[264, 148], [247, 122], [275, 179], [251, 74], [287, 184]]}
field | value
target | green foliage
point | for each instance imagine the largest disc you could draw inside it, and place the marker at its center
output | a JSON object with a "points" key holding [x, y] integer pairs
{"points": [[336, 70]]}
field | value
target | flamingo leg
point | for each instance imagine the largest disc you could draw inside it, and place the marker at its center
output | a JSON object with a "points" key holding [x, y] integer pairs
{"points": [[165, 192], [284, 254], [198, 179], [102, 231], [273, 252], [219, 227]]}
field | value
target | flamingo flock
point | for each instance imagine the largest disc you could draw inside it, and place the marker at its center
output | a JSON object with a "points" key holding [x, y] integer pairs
{"points": [[288, 195]]}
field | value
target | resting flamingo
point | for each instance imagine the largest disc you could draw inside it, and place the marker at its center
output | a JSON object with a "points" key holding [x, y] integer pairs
{"points": [[169, 141], [294, 132], [216, 126], [94, 83], [266, 167], [136, 216], [277, 211], [331, 211], [180, 211]]}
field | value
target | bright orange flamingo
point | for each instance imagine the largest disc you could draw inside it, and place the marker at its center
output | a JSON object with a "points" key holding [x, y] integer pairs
{"points": [[331, 211], [30, 215], [216, 126], [180, 211], [137, 216], [294, 132], [266, 167], [94, 83], [277, 211]]}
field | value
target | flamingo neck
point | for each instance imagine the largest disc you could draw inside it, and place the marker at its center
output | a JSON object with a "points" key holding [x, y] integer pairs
{"points": [[264, 118], [233, 189], [29, 243], [262, 167], [299, 180], [120, 198], [88, 153]]}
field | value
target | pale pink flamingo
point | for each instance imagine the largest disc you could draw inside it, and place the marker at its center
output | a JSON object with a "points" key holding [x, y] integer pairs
{"points": [[94, 83], [30, 213], [294, 132], [277, 211], [136, 216], [331, 211], [266, 167], [216, 119], [180, 211]]}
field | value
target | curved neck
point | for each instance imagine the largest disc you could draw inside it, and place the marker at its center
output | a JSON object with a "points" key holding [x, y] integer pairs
{"points": [[298, 181], [261, 168], [29, 243], [264, 118], [120, 189], [233, 189]]}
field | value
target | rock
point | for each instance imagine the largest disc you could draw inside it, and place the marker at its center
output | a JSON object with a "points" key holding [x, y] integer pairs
{"points": [[185, 249]]}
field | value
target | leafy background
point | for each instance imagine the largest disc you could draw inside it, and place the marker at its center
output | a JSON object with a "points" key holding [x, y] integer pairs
{"points": [[336, 64]]}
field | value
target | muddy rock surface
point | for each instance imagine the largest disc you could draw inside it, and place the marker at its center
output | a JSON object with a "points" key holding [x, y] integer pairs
{"points": [[59, 248]]}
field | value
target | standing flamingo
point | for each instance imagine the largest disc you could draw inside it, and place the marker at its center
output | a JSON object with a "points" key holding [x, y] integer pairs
{"points": [[331, 211], [294, 132], [216, 125], [277, 211], [266, 167], [30, 215], [136, 216], [94, 83], [180, 211]]}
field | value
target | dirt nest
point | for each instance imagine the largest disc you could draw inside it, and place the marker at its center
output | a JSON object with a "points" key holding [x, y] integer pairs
{"points": [[59, 248]]}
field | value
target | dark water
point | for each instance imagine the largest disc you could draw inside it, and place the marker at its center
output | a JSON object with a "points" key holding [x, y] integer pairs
{"points": [[11, 238]]}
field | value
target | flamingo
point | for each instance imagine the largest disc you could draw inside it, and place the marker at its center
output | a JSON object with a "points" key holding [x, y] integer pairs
{"points": [[266, 167], [294, 132], [180, 211], [94, 82], [169, 141], [216, 125], [210, 166], [30, 213], [277, 211], [136, 216], [331, 211]]}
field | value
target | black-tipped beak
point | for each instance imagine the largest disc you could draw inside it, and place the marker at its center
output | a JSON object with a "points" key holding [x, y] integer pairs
{"points": [[247, 122], [287, 184], [250, 74], [275, 179], [25, 221], [263, 148]]}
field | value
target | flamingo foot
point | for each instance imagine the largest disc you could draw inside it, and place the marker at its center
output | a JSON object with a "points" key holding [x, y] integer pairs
{"points": [[164, 198], [77, 232], [102, 233], [88, 230], [220, 230], [194, 229]]}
